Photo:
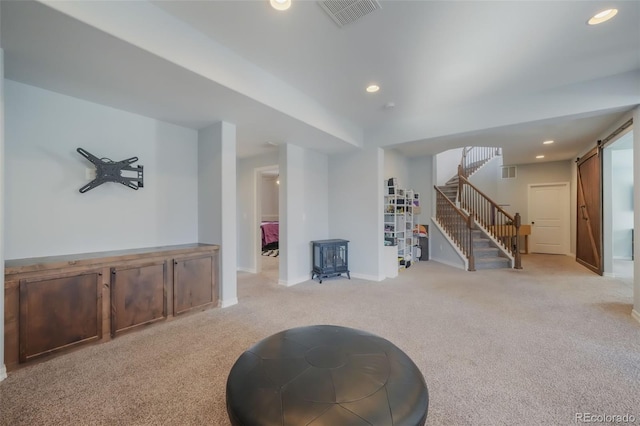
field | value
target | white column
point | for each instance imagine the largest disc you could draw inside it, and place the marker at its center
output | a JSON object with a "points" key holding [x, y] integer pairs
{"points": [[283, 232], [3, 369], [294, 248], [636, 214], [217, 201]]}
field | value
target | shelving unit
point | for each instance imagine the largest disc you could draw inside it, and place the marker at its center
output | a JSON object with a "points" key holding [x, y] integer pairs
{"points": [[416, 210], [400, 221]]}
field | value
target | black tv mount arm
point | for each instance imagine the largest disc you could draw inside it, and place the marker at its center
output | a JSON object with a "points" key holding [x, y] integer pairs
{"points": [[111, 171]]}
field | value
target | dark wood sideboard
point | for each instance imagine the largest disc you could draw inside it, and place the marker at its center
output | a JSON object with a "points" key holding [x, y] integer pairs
{"points": [[55, 304]]}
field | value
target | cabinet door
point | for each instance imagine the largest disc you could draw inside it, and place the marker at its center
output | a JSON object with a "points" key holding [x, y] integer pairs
{"points": [[59, 312], [194, 282], [138, 295]]}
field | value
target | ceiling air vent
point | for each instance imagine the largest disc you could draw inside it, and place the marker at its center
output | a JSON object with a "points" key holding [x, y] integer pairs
{"points": [[344, 12]]}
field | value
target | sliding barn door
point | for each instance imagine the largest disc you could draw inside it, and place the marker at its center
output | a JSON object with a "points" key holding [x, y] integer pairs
{"points": [[589, 220]]}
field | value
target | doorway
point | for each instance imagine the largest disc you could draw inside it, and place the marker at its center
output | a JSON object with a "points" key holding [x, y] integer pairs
{"points": [[549, 217], [618, 210], [268, 221]]}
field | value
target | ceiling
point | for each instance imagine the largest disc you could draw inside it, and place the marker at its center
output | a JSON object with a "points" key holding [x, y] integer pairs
{"points": [[499, 73]]}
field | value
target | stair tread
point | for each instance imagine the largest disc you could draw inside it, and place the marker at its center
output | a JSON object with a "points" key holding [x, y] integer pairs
{"points": [[492, 259]]}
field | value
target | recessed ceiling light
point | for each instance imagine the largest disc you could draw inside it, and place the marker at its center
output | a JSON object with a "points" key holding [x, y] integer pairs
{"points": [[547, 142], [373, 88], [603, 16], [280, 4], [539, 156]]}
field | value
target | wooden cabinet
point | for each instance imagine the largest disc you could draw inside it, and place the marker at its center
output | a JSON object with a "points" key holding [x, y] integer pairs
{"points": [[58, 303], [58, 313], [193, 283], [138, 295]]}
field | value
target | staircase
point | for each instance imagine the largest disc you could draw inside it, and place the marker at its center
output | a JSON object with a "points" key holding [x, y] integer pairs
{"points": [[455, 212], [450, 188], [487, 254]]}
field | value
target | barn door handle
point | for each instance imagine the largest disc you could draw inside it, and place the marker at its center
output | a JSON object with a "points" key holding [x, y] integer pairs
{"points": [[584, 216]]}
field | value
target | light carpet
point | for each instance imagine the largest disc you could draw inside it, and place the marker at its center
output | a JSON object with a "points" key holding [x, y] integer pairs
{"points": [[496, 347]]}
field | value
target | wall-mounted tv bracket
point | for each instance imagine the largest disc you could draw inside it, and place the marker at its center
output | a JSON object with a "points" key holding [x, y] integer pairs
{"points": [[111, 171]]}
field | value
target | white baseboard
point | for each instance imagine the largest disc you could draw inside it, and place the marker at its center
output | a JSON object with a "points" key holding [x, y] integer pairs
{"points": [[228, 302], [448, 263], [366, 277], [249, 270], [294, 281], [609, 274], [3, 372], [635, 314]]}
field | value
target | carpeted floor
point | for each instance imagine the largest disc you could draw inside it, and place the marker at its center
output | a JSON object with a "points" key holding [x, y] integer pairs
{"points": [[497, 347]]}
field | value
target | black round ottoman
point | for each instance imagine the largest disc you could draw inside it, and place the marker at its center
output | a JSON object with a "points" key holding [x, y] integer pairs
{"points": [[326, 375]]}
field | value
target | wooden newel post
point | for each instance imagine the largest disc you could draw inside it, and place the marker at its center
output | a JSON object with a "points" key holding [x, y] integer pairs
{"points": [[517, 221], [472, 262]]}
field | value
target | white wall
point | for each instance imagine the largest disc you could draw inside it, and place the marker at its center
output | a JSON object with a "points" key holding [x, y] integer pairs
{"points": [[396, 165], [304, 210], [269, 197], [356, 208], [486, 178], [622, 202], [217, 208], [247, 212], [447, 165], [441, 249], [514, 192], [45, 213], [421, 181]]}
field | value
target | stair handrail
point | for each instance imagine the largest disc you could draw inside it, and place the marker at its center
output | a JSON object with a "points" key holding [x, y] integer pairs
{"points": [[502, 226], [472, 155], [457, 225]]}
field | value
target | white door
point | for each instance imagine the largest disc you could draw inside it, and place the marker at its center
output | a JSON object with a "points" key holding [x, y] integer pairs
{"points": [[549, 211]]}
